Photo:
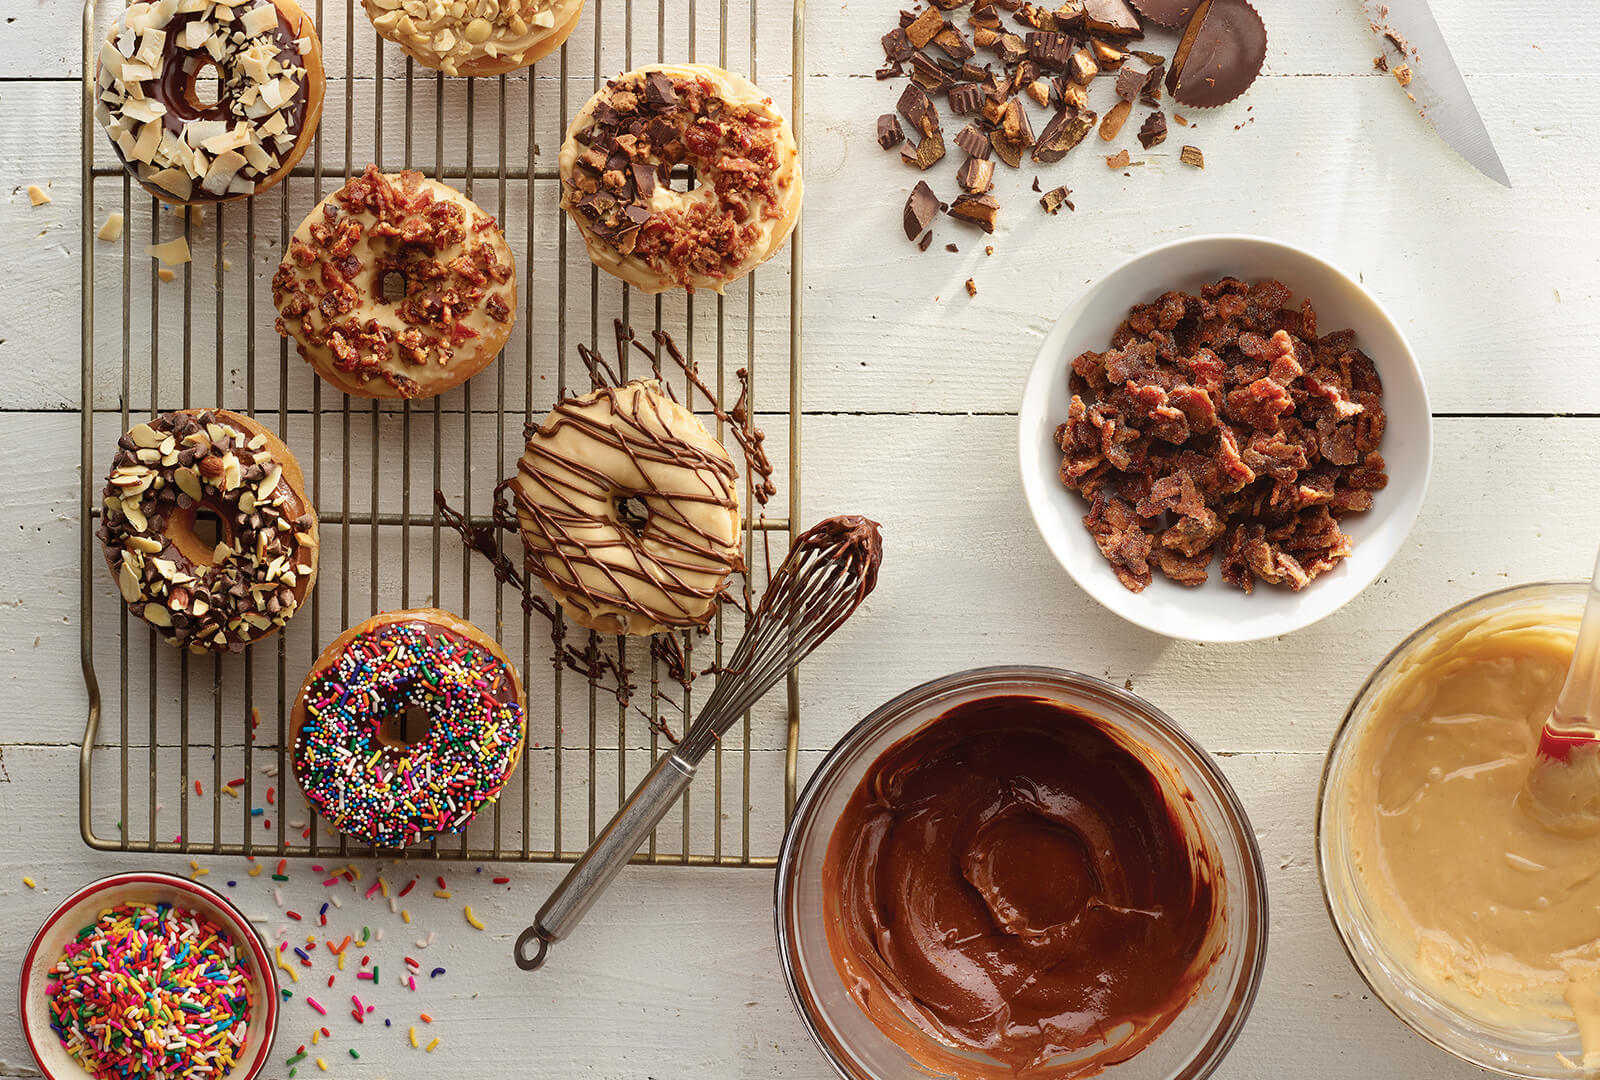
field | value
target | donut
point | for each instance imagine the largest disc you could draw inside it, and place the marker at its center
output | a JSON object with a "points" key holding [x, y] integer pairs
{"points": [[209, 595], [628, 511], [396, 286], [616, 177], [408, 725], [267, 60], [475, 37]]}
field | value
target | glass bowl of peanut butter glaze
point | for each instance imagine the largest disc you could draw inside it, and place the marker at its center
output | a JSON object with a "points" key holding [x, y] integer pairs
{"points": [[1021, 871], [1461, 870]]}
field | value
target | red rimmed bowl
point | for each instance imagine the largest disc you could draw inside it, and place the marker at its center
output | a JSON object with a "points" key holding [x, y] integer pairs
{"points": [[84, 906]]}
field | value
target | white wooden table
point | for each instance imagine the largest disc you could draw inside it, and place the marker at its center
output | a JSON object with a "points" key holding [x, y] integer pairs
{"points": [[910, 397]]}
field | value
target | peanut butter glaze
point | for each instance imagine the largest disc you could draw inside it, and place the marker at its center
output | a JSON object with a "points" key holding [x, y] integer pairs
{"points": [[1020, 881]]}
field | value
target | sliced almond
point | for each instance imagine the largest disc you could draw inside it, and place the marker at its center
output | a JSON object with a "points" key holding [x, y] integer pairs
{"points": [[157, 615], [135, 516], [146, 436], [189, 483], [269, 482], [129, 584]]}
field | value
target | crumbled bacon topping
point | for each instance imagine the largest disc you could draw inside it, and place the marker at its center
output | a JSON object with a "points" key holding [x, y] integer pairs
{"points": [[1222, 424], [449, 270]]}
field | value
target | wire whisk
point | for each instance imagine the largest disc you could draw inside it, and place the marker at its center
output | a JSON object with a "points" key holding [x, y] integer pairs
{"points": [[828, 573]]}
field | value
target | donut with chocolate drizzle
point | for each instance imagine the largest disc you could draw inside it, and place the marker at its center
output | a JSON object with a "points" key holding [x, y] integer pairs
{"points": [[629, 511]]}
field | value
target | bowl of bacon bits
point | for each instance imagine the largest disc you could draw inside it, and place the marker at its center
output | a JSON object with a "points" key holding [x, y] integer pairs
{"points": [[1225, 439]]}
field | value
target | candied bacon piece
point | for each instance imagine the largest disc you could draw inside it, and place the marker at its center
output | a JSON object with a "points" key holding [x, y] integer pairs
{"points": [[1186, 570], [1121, 539], [1259, 404]]}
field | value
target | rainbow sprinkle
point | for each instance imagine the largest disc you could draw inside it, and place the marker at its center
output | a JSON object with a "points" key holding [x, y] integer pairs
{"points": [[151, 991], [394, 795]]}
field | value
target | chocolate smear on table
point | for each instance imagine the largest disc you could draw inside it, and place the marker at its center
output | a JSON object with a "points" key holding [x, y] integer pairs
{"points": [[1220, 55]]}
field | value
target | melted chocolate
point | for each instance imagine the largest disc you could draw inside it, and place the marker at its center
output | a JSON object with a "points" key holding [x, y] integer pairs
{"points": [[1014, 880]]}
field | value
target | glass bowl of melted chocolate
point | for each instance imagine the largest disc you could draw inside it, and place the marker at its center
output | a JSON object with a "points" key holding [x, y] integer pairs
{"points": [[1021, 872]]}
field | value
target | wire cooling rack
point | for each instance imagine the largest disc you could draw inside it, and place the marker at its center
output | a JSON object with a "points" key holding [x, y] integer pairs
{"points": [[187, 754]]}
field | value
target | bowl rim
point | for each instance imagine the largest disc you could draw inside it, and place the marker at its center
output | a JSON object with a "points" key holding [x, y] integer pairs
{"points": [[1223, 1037], [1045, 361], [106, 884], [1343, 731]]}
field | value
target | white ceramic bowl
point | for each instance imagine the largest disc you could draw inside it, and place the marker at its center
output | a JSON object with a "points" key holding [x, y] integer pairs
{"points": [[1217, 611], [84, 906]]}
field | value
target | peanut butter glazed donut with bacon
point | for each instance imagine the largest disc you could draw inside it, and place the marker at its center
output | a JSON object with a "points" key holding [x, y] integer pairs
{"points": [[268, 64], [475, 37], [212, 596], [629, 511], [397, 286], [616, 177]]}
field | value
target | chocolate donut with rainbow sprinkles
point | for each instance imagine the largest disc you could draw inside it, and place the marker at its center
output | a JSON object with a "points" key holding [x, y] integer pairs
{"points": [[408, 725]]}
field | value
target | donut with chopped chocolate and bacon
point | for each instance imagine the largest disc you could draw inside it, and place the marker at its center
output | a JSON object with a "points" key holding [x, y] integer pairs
{"points": [[617, 177], [211, 594], [267, 60], [397, 286], [408, 725]]}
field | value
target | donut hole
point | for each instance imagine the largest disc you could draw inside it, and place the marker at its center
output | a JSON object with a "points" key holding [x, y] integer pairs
{"points": [[205, 86], [197, 531], [391, 286], [409, 726], [632, 513]]}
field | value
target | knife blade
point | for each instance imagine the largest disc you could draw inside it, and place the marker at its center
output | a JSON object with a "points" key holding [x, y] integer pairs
{"points": [[1407, 27]]}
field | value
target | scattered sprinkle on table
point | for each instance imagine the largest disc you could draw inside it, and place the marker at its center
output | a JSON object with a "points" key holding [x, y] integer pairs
{"points": [[472, 919], [30, 883], [151, 990]]}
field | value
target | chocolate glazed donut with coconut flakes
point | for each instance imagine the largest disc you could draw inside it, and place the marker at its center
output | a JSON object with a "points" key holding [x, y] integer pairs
{"points": [[629, 511], [268, 64]]}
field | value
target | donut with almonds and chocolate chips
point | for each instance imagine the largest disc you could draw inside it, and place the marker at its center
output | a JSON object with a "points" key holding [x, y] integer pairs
{"points": [[397, 286], [475, 37], [209, 594], [617, 178], [629, 511], [407, 726], [267, 61]]}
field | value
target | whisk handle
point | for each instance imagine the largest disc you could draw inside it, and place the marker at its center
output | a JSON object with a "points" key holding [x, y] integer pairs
{"points": [[609, 853]]}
